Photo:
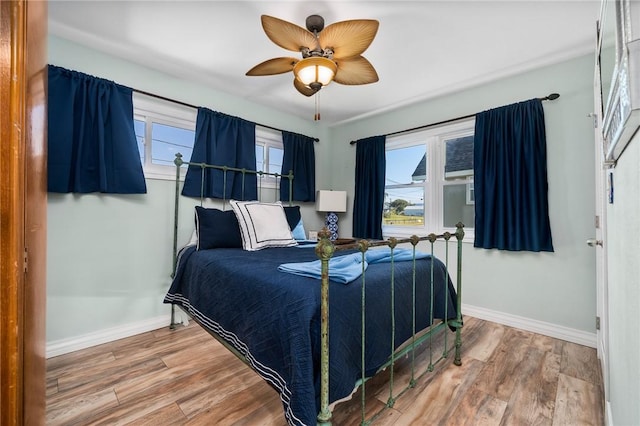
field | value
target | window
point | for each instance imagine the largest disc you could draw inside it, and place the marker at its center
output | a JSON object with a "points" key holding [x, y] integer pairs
{"points": [[429, 181], [269, 153], [162, 129]]}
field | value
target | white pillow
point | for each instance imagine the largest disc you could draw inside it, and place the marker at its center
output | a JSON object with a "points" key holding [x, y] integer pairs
{"points": [[262, 225]]}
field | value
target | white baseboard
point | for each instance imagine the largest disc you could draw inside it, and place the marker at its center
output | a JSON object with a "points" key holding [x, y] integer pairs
{"points": [[545, 328], [63, 346], [608, 419]]}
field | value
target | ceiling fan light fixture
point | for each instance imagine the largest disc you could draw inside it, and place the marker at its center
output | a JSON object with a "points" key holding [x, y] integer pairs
{"points": [[314, 71]]}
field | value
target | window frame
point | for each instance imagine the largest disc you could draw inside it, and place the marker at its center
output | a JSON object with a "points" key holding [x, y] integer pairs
{"points": [[154, 110], [268, 138], [433, 187]]}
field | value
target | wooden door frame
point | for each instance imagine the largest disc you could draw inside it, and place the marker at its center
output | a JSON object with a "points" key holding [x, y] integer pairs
{"points": [[23, 77]]}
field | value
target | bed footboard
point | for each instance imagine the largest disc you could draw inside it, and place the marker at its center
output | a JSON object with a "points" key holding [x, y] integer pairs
{"points": [[325, 250]]}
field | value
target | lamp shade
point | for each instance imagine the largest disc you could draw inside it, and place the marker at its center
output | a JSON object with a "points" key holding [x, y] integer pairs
{"points": [[315, 69], [331, 201]]}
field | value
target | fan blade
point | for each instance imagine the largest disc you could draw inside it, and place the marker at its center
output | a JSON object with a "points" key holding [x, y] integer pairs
{"points": [[287, 35], [273, 66], [349, 38], [355, 71], [302, 88]]}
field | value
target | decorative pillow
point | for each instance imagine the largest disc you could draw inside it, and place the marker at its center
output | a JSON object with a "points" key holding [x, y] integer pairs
{"points": [[262, 225], [217, 229], [294, 218], [298, 233]]}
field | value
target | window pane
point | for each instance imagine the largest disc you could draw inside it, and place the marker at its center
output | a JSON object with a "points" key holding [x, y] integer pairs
{"points": [[459, 157], [259, 158], [139, 126], [167, 141], [275, 160], [404, 206], [406, 165], [456, 205]]}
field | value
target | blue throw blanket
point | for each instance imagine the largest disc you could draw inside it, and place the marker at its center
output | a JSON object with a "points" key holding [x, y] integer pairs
{"points": [[344, 269]]}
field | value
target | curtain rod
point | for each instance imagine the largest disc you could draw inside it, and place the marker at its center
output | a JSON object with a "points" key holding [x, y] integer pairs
{"points": [[164, 98], [550, 97]]}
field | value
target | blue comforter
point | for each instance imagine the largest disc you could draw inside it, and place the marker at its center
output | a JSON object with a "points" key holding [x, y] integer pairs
{"points": [[273, 317]]}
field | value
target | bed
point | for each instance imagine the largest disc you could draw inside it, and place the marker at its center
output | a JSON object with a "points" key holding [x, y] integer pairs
{"points": [[316, 320]]}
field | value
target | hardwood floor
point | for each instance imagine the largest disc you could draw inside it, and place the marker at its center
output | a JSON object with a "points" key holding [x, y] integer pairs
{"points": [[185, 377]]}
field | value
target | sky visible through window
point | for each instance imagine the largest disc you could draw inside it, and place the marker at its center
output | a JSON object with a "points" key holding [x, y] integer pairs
{"points": [[167, 141], [401, 163]]}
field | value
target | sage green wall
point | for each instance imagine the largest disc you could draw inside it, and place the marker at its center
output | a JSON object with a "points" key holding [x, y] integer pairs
{"points": [[557, 288], [623, 251], [109, 256]]}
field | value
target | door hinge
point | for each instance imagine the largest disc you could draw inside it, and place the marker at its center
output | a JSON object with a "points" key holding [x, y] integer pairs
{"points": [[597, 323], [25, 260], [595, 119]]}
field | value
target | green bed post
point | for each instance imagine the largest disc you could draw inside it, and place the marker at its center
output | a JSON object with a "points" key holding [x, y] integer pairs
{"points": [[178, 162], [324, 251], [460, 237]]}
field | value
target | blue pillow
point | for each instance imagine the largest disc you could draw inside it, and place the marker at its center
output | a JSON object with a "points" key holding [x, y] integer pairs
{"points": [[293, 216], [217, 229], [298, 232], [294, 219]]}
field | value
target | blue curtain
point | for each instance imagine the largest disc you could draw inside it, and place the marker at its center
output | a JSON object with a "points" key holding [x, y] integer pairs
{"points": [[510, 178], [369, 196], [91, 139], [225, 141], [299, 156]]}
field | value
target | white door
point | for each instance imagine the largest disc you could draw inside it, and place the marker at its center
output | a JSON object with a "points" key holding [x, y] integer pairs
{"points": [[599, 244], [603, 191]]}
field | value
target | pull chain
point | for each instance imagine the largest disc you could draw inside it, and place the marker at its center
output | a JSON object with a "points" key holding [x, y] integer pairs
{"points": [[316, 117]]}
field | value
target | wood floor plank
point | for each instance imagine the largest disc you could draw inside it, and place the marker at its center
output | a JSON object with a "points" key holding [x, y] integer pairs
{"points": [[136, 406], [224, 387], [427, 404], [578, 402], [201, 353], [168, 415], [501, 372], [73, 365], [547, 344], [78, 409], [477, 408], [580, 362], [227, 414], [171, 380], [168, 344], [480, 345], [108, 374], [533, 399]]}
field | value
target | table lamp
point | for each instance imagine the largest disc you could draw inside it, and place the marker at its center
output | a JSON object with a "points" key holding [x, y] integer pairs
{"points": [[331, 202]]}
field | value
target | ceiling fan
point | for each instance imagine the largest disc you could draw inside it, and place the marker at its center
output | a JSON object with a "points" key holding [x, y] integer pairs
{"points": [[329, 54]]}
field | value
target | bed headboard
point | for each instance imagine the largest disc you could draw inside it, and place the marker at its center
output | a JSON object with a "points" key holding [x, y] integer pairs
{"points": [[179, 162]]}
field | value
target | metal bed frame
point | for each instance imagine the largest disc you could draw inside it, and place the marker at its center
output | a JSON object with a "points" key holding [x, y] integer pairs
{"points": [[325, 249]]}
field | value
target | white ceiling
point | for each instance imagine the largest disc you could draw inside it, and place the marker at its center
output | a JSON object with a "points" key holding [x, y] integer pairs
{"points": [[423, 49]]}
